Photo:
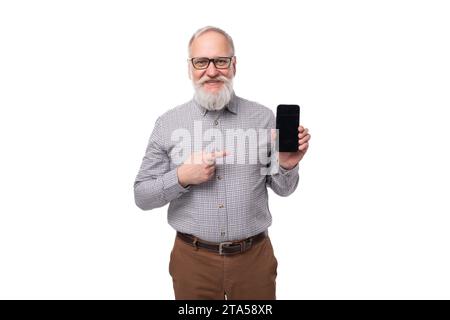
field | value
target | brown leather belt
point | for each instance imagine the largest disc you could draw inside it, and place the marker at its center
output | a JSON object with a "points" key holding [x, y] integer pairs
{"points": [[223, 248]]}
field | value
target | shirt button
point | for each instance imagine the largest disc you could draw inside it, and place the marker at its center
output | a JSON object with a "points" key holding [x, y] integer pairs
{"points": [[216, 122], [220, 205], [219, 177], [222, 234]]}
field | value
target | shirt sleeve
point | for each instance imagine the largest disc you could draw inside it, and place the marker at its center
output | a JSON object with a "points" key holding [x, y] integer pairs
{"points": [[156, 184], [283, 181]]}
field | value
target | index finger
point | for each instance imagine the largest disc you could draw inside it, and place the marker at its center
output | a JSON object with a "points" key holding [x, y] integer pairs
{"points": [[210, 157], [219, 154]]}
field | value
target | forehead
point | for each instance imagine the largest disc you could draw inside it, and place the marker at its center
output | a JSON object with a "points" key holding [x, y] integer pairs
{"points": [[210, 44]]}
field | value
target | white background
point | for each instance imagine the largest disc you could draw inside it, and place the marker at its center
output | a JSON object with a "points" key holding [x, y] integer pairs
{"points": [[82, 83]]}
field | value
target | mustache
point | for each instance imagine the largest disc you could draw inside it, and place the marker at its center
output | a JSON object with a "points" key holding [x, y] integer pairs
{"points": [[218, 78]]}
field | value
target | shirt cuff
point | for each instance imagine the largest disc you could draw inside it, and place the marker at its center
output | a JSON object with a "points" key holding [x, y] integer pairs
{"points": [[284, 171], [171, 187]]}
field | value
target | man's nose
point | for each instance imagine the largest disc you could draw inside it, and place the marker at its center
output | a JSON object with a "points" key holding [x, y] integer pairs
{"points": [[212, 71]]}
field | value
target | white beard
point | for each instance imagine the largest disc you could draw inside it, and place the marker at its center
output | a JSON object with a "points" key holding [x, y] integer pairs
{"points": [[213, 101]]}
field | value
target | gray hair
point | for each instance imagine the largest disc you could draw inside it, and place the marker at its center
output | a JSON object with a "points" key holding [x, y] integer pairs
{"points": [[203, 30]]}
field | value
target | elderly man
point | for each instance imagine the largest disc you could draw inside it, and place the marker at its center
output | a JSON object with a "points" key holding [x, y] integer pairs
{"points": [[218, 208]]}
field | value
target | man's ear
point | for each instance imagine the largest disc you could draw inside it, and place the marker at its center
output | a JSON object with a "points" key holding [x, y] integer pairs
{"points": [[234, 65], [189, 71]]}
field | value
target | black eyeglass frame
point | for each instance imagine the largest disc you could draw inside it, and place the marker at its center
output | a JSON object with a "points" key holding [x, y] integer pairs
{"points": [[230, 59]]}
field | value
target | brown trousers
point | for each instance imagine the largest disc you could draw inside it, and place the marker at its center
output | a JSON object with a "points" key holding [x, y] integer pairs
{"points": [[202, 274]]}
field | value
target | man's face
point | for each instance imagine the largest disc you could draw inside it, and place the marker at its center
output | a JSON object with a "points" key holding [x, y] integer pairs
{"points": [[211, 44]]}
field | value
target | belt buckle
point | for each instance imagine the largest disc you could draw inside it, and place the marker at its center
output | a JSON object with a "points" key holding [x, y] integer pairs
{"points": [[221, 246], [245, 246]]}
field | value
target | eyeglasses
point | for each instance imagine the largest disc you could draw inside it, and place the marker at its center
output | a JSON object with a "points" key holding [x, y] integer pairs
{"points": [[202, 63]]}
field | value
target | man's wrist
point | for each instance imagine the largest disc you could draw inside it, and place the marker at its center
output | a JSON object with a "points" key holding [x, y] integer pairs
{"points": [[288, 168], [180, 178]]}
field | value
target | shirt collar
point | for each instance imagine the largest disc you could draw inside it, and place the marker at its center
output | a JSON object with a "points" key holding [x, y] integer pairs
{"points": [[232, 106]]}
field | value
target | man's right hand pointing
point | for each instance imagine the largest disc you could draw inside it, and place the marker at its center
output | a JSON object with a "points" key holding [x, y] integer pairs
{"points": [[199, 167]]}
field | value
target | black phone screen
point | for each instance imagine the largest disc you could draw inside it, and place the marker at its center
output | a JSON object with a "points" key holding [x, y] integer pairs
{"points": [[288, 119]]}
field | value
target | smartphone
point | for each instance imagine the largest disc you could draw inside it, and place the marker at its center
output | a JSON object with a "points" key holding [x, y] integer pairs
{"points": [[287, 122]]}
